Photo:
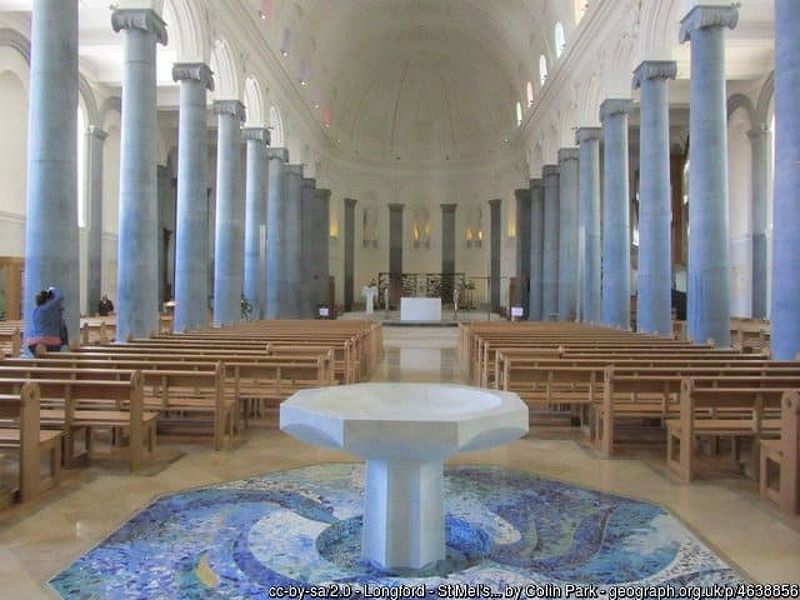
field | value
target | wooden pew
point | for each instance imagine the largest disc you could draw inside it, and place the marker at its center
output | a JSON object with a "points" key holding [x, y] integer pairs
{"points": [[196, 390], [10, 339], [693, 422], [784, 453], [654, 394], [20, 432], [63, 403]]}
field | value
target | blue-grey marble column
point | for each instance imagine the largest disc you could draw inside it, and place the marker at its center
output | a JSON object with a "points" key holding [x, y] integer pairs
{"points": [[308, 285], [257, 139], [616, 309], [396, 239], [137, 254], [537, 249], [523, 197], [786, 228], [552, 219], [760, 140], [95, 138], [349, 251], [191, 236], [51, 227], [448, 250], [322, 260], [277, 278], [654, 305], [495, 246], [568, 234], [709, 263], [229, 232], [588, 140], [292, 252]]}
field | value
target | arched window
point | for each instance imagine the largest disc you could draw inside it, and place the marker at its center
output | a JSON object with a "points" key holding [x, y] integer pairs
{"points": [[542, 69], [529, 90], [560, 40], [81, 166], [519, 114]]}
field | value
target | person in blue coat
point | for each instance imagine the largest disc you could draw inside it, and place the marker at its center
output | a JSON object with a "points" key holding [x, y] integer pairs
{"points": [[48, 327]]}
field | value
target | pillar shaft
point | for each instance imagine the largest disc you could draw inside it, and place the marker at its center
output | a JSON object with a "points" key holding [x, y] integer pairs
{"points": [[191, 236], [51, 227], [137, 255], [537, 249], [495, 245], [257, 139], [276, 230], [95, 138], [709, 263], [588, 139], [552, 218], [760, 142], [448, 250], [292, 250], [309, 277], [349, 251], [568, 234], [523, 267], [616, 305], [654, 305], [786, 249], [322, 262], [229, 232]]}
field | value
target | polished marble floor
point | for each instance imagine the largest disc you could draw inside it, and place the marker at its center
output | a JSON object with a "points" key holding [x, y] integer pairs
{"points": [[41, 540]]}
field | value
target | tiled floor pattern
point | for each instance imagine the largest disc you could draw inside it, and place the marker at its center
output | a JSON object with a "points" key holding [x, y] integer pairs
{"points": [[39, 541]]}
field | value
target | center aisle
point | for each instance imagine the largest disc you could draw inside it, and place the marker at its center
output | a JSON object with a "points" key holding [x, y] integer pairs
{"points": [[419, 355]]}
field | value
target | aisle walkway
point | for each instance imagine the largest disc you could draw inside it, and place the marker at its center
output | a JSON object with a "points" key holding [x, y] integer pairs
{"points": [[419, 355]]}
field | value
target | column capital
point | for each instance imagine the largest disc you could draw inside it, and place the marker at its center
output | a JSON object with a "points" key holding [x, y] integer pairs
{"points": [[396, 206], [615, 106], [194, 72], [309, 182], [230, 107], [97, 132], [323, 194], [278, 154], [350, 202], [537, 183], [450, 207], [550, 171], [256, 134], [495, 203], [565, 154], [522, 193], [588, 134], [654, 69], [144, 19], [704, 17]]}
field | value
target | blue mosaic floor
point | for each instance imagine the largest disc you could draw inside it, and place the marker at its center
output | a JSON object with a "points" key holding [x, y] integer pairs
{"points": [[243, 539]]}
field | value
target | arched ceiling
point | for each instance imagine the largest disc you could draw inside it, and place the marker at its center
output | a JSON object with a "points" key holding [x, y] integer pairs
{"points": [[417, 81]]}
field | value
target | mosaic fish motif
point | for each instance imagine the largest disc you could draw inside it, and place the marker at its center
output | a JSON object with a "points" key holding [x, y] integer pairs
{"points": [[246, 539]]}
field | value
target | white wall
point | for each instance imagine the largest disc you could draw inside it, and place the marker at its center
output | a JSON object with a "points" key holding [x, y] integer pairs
{"points": [[13, 154]]}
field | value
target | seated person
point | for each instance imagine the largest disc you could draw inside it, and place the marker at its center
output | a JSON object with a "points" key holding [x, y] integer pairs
{"points": [[105, 307], [48, 327]]}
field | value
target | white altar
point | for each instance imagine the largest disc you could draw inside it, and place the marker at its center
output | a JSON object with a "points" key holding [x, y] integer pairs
{"points": [[420, 309], [404, 432]]}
